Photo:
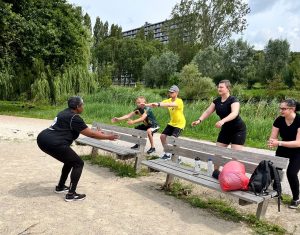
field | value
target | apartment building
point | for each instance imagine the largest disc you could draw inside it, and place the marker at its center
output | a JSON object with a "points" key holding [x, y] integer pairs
{"points": [[156, 28]]}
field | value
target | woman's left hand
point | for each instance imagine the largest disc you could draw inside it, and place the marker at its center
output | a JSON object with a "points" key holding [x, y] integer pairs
{"points": [[219, 124], [273, 143]]}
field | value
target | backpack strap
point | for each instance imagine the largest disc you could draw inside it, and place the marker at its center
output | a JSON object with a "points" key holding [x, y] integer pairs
{"points": [[276, 184]]}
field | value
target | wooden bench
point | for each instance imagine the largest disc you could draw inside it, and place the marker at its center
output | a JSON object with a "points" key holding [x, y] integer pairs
{"points": [[119, 147], [220, 156]]}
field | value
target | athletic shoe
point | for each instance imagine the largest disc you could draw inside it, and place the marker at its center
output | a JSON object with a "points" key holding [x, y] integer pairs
{"points": [[216, 174], [151, 150], [154, 129], [294, 204], [135, 146], [74, 197], [64, 189], [166, 157]]}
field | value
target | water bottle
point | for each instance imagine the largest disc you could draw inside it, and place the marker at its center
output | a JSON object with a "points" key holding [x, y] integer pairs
{"points": [[210, 167], [197, 166]]}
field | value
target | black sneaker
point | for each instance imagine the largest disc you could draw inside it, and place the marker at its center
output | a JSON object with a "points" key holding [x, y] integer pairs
{"points": [[135, 146], [74, 197], [151, 150], [64, 189], [294, 204]]}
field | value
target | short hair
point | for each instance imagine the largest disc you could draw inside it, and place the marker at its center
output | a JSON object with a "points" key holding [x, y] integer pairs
{"points": [[75, 102], [141, 97], [227, 83]]}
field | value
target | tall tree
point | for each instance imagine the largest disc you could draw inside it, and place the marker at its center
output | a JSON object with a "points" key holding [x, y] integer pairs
{"points": [[277, 54], [209, 22], [87, 22]]}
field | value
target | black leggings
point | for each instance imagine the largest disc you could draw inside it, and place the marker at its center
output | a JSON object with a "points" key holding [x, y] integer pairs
{"points": [[292, 175], [71, 162]]}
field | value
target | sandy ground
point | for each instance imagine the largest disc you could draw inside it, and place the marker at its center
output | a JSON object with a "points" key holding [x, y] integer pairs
{"points": [[113, 205]]}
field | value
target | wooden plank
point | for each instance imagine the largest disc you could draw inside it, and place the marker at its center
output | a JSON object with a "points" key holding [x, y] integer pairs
{"points": [[245, 156], [124, 130], [261, 209], [171, 168], [107, 146], [128, 138]]}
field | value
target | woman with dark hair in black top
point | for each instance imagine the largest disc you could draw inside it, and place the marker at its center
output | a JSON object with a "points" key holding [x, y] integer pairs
{"points": [[233, 129], [287, 125], [56, 141]]}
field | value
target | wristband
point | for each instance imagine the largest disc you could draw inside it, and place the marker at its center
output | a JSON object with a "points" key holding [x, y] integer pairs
{"points": [[199, 120], [158, 104]]}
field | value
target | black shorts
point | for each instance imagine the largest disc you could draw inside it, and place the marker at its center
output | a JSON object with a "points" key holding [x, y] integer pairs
{"points": [[172, 131], [227, 136], [143, 127]]}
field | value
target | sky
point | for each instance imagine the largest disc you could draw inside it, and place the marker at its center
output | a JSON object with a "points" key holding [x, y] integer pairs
{"points": [[268, 19]]}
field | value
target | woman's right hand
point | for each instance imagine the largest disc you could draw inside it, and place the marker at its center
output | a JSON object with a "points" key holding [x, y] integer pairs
{"points": [[195, 123]]}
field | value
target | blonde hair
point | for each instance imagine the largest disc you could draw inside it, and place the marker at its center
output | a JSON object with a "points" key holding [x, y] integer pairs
{"points": [[227, 84], [141, 98]]}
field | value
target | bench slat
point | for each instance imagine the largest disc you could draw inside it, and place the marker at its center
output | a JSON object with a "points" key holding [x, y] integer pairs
{"points": [[124, 130], [173, 169], [107, 146], [245, 156]]}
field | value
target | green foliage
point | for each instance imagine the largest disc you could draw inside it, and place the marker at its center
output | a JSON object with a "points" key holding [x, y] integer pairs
{"points": [[158, 70], [193, 85]]}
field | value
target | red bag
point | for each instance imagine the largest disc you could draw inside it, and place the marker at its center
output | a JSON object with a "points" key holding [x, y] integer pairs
{"points": [[233, 177]]}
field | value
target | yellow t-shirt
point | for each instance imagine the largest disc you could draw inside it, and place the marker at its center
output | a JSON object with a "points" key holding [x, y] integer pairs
{"points": [[176, 113]]}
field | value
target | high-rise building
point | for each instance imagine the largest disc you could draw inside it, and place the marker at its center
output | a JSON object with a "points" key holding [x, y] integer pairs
{"points": [[157, 29]]}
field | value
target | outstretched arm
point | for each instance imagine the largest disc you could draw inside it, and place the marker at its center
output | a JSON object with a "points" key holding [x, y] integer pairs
{"points": [[205, 114], [140, 119], [97, 134], [161, 104], [125, 117]]}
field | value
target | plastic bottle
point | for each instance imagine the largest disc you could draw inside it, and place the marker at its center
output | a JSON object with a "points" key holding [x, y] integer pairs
{"points": [[210, 167], [197, 166]]}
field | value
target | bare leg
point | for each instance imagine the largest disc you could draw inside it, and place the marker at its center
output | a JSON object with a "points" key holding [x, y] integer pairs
{"points": [[163, 139], [216, 167], [237, 146], [149, 132]]}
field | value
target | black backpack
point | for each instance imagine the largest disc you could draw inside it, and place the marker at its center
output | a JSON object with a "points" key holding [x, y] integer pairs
{"points": [[264, 174]]}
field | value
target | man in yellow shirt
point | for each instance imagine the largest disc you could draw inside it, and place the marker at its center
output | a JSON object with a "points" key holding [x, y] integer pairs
{"points": [[177, 122]]}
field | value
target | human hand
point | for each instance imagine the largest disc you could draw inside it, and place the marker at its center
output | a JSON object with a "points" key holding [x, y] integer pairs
{"points": [[153, 105], [130, 122], [113, 137], [196, 122], [273, 143], [219, 124], [114, 119]]}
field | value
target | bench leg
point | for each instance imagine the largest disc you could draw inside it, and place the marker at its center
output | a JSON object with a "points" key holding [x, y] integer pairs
{"points": [[137, 163], [94, 152], [261, 209], [170, 178]]}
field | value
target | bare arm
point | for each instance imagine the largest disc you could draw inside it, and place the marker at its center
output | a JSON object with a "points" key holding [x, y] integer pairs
{"points": [[161, 104], [274, 142], [140, 119], [125, 117], [98, 134], [205, 114], [235, 109]]}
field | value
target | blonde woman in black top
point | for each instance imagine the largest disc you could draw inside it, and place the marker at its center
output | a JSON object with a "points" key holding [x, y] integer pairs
{"points": [[233, 128]]}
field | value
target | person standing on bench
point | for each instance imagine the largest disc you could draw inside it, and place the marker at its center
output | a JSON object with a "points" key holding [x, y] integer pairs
{"points": [[287, 125], [177, 122], [146, 116], [56, 141], [233, 128]]}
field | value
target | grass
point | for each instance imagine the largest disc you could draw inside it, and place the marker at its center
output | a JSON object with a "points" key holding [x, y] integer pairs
{"points": [[224, 210], [121, 169]]}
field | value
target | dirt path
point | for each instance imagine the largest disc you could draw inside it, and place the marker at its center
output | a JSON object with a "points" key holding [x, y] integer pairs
{"points": [[113, 206]]}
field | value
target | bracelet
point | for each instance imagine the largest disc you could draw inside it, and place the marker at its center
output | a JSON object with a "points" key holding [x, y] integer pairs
{"points": [[199, 120], [158, 104], [279, 143]]}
